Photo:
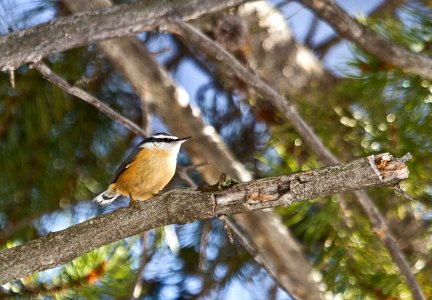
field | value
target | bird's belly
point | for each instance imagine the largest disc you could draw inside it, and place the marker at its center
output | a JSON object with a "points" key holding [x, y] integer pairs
{"points": [[145, 178]]}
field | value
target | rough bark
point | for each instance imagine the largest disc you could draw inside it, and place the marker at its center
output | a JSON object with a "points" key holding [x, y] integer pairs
{"points": [[185, 206], [367, 39], [31, 45], [155, 87]]}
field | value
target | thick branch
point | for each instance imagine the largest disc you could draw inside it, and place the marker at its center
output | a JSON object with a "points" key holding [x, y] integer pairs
{"points": [[31, 45], [365, 38], [185, 206]]}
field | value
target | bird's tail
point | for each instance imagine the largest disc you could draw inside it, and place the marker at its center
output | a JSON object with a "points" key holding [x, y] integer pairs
{"points": [[106, 197]]}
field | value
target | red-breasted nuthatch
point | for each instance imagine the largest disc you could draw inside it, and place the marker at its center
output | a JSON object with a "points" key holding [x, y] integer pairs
{"points": [[146, 171]]}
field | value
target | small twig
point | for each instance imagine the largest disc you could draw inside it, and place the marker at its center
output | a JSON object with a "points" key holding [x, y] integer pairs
{"points": [[185, 176], [405, 158], [183, 173], [12, 77], [399, 191], [203, 242], [249, 246], [227, 229], [195, 166], [137, 287], [311, 32], [145, 118], [86, 80], [81, 94], [161, 51]]}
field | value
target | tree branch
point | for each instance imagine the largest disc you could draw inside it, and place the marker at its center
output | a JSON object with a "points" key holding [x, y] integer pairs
{"points": [[231, 65], [185, 206], [367, 39], [31, 45], [384, 9], [81, 94]]}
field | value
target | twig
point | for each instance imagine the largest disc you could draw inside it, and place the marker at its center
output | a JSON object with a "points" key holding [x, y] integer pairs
{"points": [[199, 40], [367, 39], [81, 94], [203, 243], [137, 286], [185, 176], [311, 32], [12, 77], [398, 190], [145, 118], [224, 221]]}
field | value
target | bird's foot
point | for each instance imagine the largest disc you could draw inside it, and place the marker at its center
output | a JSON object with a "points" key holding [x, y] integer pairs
{"points": [[133, 202]]}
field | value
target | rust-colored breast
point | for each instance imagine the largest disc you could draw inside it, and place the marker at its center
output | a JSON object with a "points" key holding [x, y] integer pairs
{"points": [[147, 174]]}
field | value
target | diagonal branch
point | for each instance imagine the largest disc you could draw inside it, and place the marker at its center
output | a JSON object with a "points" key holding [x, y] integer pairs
{"points": [[81, 94], [384, 9], [185, 206], [367, 39], [31, 45], [234, 67]]}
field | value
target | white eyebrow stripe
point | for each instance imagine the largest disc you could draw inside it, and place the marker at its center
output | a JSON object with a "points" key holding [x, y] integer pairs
{"points": [[163, 136]]}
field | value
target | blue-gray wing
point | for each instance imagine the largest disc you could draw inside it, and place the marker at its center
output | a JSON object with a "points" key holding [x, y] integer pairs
{"points": [[125, 164]]}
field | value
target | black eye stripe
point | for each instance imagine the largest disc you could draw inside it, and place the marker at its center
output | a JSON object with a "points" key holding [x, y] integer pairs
{"points": [[163, 140], [157, 140]]}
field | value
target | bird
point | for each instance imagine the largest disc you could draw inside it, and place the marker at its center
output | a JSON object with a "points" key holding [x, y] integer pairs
{"points": [[145, 171]]}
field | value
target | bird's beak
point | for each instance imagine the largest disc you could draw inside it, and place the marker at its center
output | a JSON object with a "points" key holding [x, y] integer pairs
{"points": [[182, 140]]}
